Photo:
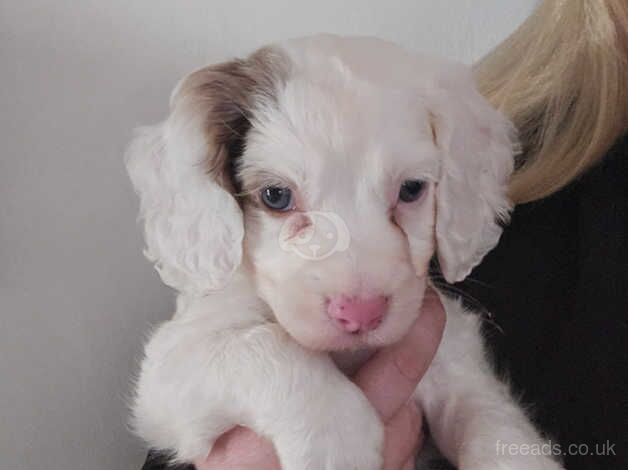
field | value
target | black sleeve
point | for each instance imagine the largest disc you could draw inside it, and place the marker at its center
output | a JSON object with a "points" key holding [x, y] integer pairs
{"points": [[557, 288]]}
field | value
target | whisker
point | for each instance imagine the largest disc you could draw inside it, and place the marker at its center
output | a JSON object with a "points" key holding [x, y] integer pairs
{"points": [[484, 313]]}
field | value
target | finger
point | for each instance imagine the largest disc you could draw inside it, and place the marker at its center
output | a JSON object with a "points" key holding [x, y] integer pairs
{"points": [[389, 378], [403, 437], [240, 448]]}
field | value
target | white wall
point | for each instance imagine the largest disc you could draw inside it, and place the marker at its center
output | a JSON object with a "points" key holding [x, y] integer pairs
{"points": [[76, 296]]}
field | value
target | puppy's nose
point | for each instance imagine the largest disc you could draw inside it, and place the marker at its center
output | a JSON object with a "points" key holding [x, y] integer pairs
{"points": [[357, 315]]}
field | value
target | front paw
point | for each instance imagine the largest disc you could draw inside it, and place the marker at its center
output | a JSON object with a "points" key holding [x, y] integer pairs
{"points": [[356, 441], [346, 436]]}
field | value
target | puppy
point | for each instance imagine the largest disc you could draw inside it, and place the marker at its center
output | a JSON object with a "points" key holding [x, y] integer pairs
{"points": [[295, 199]]}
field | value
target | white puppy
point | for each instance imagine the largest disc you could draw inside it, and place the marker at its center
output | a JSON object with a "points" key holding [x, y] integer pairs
{"points": [[294, 199]]}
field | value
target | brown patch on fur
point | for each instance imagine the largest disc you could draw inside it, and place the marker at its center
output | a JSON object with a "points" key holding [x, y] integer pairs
{"points": [[224, 96]]}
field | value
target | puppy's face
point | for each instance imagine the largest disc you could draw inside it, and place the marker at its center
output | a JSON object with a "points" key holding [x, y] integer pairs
{"points": [[330, 170], [332, 176]]}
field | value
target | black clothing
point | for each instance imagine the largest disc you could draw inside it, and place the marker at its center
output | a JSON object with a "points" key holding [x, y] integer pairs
{"points": [[557, 289]]}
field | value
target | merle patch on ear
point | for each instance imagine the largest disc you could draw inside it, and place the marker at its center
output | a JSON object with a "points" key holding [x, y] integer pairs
{"points": [[231, 91], [184, 170]]}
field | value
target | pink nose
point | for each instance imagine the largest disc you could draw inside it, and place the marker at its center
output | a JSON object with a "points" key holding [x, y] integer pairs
{"points": [[356, 314]]}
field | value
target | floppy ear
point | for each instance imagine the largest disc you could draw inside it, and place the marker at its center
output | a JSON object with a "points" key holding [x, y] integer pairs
{"points": [[183, 172], [477, 145]]}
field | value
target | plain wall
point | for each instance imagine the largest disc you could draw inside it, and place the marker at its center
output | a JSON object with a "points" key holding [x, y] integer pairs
{"points": [[76, 296]]}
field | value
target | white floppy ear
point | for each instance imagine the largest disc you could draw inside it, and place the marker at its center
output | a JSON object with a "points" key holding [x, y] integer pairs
{"points": [[477, 145], [183, 173]]}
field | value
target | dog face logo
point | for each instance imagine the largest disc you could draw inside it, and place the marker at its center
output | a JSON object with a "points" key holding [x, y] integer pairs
{"points": [[324, 234]]}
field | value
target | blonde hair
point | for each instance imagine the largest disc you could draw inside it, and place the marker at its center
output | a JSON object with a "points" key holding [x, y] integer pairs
{"points": [[562, 77]]}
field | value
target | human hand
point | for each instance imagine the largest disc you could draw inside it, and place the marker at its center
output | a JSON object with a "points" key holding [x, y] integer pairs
{"points": [[388, 380]]}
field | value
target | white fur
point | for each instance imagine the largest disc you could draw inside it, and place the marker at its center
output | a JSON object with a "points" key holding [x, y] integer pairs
{"points": [[347, 121]]}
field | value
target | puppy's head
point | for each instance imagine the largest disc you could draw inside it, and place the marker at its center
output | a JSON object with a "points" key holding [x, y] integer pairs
{"points": [[331, 170]]}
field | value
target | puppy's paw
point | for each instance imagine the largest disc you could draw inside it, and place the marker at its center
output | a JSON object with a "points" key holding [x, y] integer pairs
{"points": [[357, 441], [345, 435]]}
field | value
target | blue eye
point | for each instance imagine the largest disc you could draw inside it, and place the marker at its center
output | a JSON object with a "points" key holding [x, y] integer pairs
{"points": [[277, 198], [411, 190]]}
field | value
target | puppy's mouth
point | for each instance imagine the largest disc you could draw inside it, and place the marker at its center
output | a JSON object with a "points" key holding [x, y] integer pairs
{"points": [[335, 339], [341, 342]]}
